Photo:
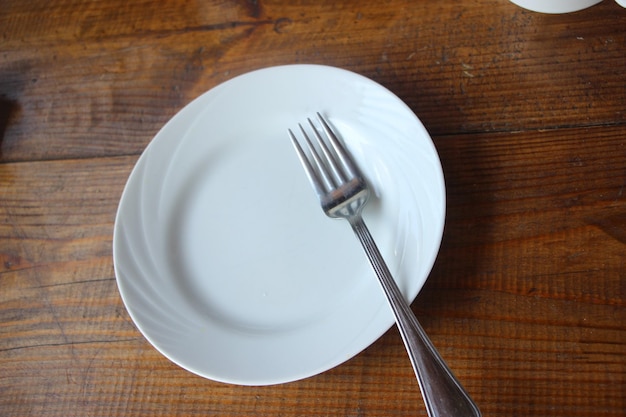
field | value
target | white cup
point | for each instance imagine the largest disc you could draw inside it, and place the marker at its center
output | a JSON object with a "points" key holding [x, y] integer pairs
{"points": [[559, 6]]}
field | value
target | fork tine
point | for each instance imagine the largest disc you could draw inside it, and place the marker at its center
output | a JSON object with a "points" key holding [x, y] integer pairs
{"points": [[349, 165], [326, 162], [308, 168], [338, 176], [322, 171]]}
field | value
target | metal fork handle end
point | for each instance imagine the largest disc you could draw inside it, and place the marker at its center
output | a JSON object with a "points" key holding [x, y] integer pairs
{"points": [[443, 393]]}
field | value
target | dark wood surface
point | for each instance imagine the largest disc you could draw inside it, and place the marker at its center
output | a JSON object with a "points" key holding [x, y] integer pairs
{"points": [[526, 301]]}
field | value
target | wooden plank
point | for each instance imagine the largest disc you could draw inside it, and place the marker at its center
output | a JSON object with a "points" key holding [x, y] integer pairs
{"points": [[526, 300], [101, 78]]}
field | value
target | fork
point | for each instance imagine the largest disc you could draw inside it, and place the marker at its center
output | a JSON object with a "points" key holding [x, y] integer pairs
{"points": [[343, 192]]}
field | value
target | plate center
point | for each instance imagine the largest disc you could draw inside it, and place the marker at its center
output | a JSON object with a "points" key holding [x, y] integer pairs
{"points": [[253, 248]]}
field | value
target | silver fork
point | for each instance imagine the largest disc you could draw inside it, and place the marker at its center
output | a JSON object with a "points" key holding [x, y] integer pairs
{"points": [[343, 192]]}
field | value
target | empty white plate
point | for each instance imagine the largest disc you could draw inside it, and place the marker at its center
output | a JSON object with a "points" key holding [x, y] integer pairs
{"points": [[223, 256]]}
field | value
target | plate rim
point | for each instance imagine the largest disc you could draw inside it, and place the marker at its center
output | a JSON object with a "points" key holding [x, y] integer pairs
{"points": [[163, 132]]}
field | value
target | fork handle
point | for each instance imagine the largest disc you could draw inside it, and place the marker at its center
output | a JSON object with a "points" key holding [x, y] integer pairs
{"points": [[443, 394]]}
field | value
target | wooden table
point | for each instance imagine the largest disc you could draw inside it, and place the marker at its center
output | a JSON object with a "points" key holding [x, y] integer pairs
{"points": [[526, 301]]}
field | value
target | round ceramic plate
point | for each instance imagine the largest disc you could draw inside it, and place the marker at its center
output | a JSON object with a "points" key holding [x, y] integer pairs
{"points": [[224, 259]]}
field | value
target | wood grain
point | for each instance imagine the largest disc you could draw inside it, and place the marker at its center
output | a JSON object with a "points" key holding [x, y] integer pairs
{"points": [[526, 301], [101, 78]]}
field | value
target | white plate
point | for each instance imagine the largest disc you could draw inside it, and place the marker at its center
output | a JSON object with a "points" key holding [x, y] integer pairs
{"points": [[555, 6], [223, 257]]}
